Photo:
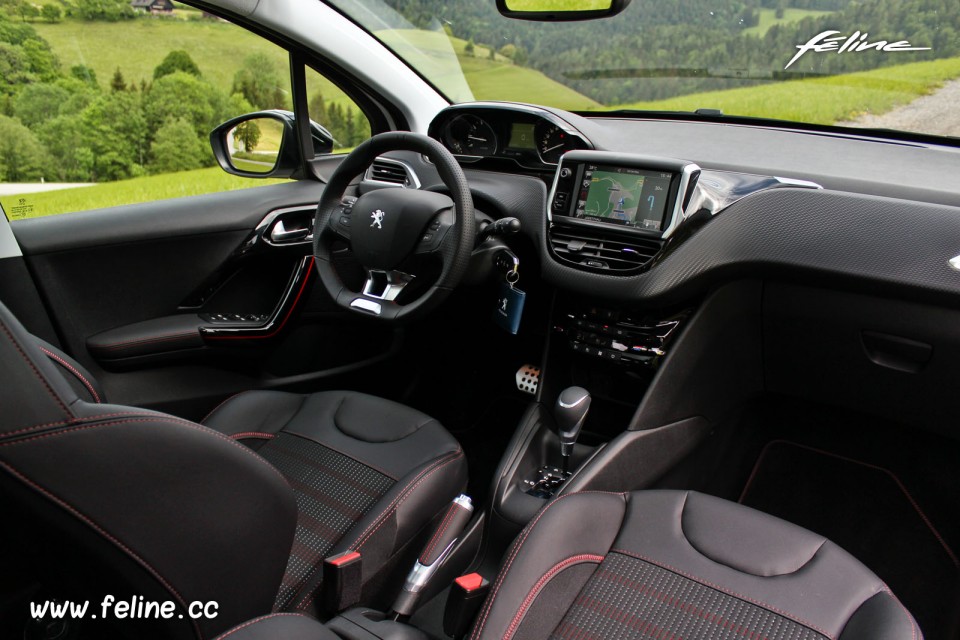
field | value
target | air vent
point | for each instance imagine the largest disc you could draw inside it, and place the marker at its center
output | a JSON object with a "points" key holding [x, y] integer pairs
{"points": [[594, 249], [392, 172]]}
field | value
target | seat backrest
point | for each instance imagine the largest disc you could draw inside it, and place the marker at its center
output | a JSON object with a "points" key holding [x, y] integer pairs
{"points": [[133, 502]]}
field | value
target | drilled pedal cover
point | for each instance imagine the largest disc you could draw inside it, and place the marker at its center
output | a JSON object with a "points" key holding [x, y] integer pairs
{"points": [[528, 379]]}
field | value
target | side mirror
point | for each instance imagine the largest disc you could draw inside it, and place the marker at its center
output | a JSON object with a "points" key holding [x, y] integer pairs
{"points": [[560, 10], [264, 144]]}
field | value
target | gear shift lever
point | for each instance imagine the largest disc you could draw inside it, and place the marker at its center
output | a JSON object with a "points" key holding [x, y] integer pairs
{"points": [[570, 413]]}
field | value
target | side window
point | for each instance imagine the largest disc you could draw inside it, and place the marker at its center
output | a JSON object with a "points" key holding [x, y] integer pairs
{"points": [[336, 112], [111, 103]]}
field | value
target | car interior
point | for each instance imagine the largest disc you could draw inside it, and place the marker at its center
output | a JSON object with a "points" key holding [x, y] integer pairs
{"points": [[443, 385]]}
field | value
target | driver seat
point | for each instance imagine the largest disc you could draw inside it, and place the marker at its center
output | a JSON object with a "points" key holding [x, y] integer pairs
{"points": [[240, 510]]}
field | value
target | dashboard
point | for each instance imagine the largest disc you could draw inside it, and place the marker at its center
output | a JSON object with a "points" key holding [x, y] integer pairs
{"points": [[737, 198]]}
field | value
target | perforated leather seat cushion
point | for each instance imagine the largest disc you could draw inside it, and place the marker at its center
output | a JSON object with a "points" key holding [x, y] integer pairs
{"points": [[675, 564]]}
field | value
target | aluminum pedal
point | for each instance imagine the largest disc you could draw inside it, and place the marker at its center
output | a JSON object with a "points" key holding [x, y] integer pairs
{"points": [[528, 379]]}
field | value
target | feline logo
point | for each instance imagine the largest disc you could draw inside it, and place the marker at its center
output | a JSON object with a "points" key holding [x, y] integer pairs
{"points": [[829, 41], [377, 219]]}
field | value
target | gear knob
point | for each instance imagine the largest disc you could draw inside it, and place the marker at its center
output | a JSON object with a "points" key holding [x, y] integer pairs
{"points": [[570, 414]]}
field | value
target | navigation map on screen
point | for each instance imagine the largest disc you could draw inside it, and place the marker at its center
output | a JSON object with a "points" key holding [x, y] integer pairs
{"points": [[624, 195], [614, 195]]}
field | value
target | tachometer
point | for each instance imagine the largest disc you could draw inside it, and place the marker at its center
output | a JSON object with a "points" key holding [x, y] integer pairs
{"points": [[469, 135], [553, 142]]}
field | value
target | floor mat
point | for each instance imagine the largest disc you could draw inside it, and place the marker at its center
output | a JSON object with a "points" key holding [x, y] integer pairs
{"points": [[866, 510]]}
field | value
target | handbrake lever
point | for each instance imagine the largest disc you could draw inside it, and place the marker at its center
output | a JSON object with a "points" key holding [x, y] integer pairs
{"points": [[434, 554]]}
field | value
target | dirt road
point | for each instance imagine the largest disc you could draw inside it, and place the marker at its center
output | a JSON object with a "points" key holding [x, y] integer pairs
{"points": [[937, 114]]}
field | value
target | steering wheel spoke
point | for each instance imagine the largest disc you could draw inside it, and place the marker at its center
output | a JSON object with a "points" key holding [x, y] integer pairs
{"points": [[386, 285]]}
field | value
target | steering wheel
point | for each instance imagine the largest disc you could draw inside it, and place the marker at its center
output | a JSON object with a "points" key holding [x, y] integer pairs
{"points": [[387, 226]]}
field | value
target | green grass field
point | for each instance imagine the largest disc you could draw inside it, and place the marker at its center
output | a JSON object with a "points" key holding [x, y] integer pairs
{"points": [[768, 18], [219, 48], [147, 189], [821, 100]]}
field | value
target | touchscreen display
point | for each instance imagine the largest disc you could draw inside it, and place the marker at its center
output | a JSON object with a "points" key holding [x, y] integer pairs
{"points": [[622, 195]]}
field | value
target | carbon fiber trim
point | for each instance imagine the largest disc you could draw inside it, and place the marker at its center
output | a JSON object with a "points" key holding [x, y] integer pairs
{"points": [[878, 243]]}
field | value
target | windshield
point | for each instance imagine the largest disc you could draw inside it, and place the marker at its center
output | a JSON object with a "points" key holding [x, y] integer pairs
{"points": [[889, 64]]}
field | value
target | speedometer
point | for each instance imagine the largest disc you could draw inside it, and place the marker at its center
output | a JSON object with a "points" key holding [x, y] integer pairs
{"points": [[469, 135]]}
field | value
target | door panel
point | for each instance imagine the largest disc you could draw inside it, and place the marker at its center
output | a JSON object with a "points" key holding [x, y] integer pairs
{"points": [[187, 259]]}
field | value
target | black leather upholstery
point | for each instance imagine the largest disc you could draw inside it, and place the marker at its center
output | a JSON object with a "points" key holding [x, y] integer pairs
{"points": [[132, 502], [382, 471], [682, 564]]}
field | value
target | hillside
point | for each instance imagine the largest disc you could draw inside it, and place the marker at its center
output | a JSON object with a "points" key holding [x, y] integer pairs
{"points": [[219, 49], [821, 100], [768, 18]]}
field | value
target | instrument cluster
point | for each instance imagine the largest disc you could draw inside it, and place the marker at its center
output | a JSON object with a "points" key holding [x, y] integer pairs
{"points": [[530, 137]]}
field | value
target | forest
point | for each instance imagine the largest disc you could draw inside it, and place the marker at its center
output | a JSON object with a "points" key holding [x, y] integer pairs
{"points": [[64, 124], [695, 45]]}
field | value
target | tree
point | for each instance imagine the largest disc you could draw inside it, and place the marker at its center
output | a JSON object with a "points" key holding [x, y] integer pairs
{"points": [[41, 59], [51, 13], [14, 68], [118, 82], [115, 130], [39, 102], [259, 82], [109, 10], [181, 95], [22, 157], [27, 9], [469, 48], [492, 53], [508, 51], [176, 147], [64, 139], [85, 74], [248, 135], [176, 60]]}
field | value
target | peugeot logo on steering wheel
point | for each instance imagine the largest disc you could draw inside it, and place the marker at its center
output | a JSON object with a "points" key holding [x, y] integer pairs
{"points": [[377, 218]]}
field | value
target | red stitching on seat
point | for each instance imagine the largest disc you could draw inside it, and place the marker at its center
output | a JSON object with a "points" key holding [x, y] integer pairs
{"points": [[501, 577], [364, 537], [83, 517], [730, 592], [913, 625], [36, 371], [37, 427], [677, 603], [86, 383], [158, 418], [249, 623], [253, 435], [542, 582], [391, 508], [631, 620]]}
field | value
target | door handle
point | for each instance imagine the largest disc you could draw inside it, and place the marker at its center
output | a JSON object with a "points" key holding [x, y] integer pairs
{"points": [[280, 234]]}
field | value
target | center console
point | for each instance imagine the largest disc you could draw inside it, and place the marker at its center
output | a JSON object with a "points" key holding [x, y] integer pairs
{"points": [[612, 212]]}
